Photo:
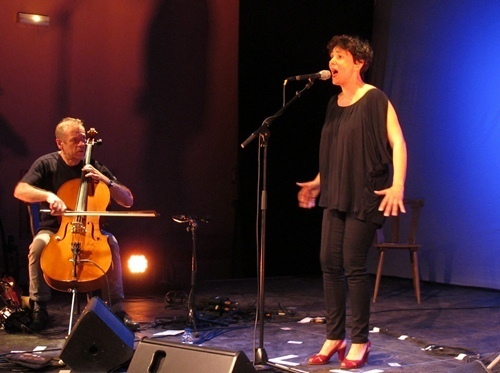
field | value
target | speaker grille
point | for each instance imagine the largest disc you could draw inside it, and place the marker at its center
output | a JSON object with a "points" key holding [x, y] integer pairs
{"points": [[99, 342]]}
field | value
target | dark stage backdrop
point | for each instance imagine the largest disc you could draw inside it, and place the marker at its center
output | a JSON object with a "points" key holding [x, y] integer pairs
{"points": [[279, 39], [437, 63], [159, 80], [442, 76]]}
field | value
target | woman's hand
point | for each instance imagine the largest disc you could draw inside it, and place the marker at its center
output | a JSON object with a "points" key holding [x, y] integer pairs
{"points": [[392, 202], [308, 193]]}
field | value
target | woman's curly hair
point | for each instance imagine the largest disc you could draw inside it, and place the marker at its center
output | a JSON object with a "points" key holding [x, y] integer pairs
{"points": [[360, 49]]}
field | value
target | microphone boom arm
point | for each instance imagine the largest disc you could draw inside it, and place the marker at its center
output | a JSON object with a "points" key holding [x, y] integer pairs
{"points": [[267, 122]]}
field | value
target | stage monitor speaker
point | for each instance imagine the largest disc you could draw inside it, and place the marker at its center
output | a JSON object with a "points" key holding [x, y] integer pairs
{"points": [[154, 356], [99, 341]]}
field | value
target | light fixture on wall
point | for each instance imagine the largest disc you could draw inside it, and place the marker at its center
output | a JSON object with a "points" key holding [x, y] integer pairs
{"points": [[33, 19]]}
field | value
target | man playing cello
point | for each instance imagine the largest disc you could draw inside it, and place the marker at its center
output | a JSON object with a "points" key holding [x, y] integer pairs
{"points": [[40, 185]]}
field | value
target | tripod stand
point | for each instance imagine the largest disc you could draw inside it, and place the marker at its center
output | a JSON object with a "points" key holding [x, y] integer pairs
{"points": [[263, 133]]}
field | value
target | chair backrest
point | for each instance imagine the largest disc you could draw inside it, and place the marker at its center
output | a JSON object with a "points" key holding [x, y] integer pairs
{"points": [[413, 207], [34, 215]]}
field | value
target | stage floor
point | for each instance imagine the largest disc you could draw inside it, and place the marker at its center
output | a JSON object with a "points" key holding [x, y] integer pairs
{"points": [[454, 329]]}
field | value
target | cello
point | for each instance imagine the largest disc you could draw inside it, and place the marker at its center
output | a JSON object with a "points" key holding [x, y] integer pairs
{"points": [[78, 255]]}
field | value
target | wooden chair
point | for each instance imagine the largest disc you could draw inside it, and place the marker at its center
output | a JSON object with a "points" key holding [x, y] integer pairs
{"points": [[34, 217], [413, 207]]}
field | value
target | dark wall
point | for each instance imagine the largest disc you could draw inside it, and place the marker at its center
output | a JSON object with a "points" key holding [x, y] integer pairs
{"points": [[437, 63], [279, 39]]}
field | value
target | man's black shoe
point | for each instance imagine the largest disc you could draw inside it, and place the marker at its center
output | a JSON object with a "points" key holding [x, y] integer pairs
{"points": [[127, 320], [39, 319]]}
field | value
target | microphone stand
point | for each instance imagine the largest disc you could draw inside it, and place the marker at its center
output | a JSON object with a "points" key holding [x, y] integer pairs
{"points": [[193, 222], [260, 357]]}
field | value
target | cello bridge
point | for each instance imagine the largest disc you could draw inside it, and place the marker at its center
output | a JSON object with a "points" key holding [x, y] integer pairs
{"points": [[78, 228]]}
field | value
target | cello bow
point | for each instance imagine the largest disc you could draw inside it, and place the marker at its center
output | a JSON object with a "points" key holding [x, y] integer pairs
{"points": [[138, 214]]}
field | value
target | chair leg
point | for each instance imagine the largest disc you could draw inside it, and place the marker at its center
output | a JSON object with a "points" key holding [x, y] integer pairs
{"points": [[416, 276], [78, 310], [78, 302], [379, 273]]}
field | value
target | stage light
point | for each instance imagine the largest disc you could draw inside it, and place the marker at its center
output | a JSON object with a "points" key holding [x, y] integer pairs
{"points": [[33, 19], [137, 264]]}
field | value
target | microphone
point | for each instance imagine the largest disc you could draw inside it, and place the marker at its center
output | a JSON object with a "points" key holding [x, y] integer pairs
{"points": [[323, 75]]}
